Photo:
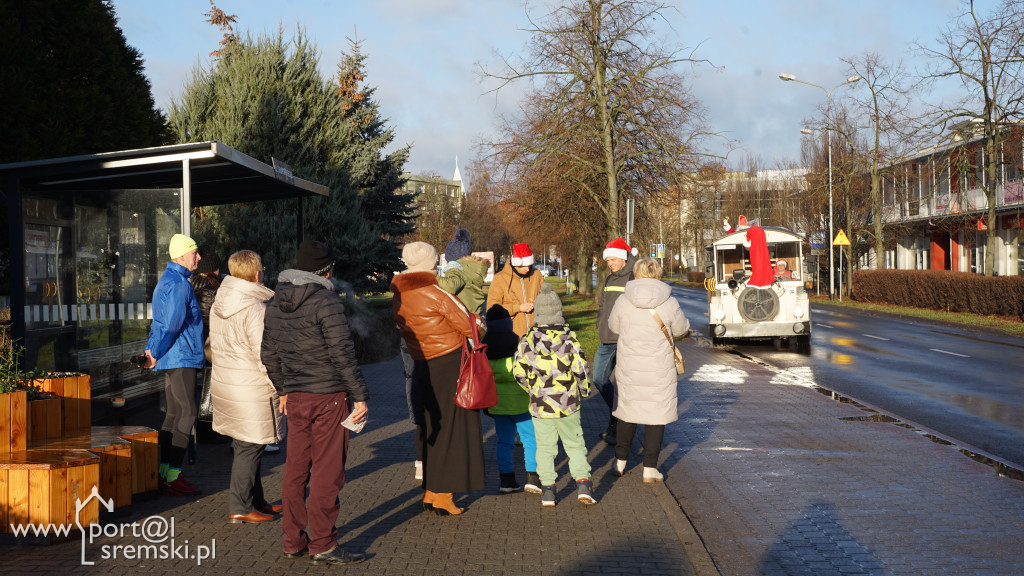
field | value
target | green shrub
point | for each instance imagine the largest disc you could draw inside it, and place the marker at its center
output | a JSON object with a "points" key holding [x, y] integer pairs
{"points": [[942, 290]]}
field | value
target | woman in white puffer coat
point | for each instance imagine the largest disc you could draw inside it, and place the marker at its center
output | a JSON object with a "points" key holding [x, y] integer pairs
{"points": [[645, 370], [245, 404]]}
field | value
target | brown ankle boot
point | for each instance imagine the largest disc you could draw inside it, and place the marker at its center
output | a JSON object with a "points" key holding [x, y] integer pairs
{"points": [[428, 500], [444, 505]]}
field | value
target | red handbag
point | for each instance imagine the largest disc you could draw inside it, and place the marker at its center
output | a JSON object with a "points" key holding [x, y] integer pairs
{"points": [[476, 380]]}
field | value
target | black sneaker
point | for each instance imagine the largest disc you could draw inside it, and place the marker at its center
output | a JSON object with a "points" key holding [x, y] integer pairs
{"points": [[509, 484], [334, 557], [609, 435], [585, 491], [547, 499], [532, 483]]}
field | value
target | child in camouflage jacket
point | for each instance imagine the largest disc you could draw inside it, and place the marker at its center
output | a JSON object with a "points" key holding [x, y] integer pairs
{"points": [[550, 366]]}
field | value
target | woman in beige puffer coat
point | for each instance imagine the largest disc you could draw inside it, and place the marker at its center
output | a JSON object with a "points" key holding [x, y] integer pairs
{"points": [[245, 404], [645, 371]]}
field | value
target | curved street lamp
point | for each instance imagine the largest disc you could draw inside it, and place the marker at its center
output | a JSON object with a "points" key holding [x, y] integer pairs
{"points": [[828, 126]]}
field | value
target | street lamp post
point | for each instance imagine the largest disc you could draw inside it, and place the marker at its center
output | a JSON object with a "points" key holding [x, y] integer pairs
{"points": [[828, 137]]}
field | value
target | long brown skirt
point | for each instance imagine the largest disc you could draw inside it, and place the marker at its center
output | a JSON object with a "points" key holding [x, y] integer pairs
{"points": [[453, 446]]}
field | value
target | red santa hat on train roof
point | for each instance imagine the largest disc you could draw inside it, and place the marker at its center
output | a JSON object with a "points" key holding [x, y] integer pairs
{"points": [[761, 273], [616, 249], [521, 255]]}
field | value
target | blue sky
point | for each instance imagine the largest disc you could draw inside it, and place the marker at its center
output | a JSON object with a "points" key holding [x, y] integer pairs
{"points": [[423, 55]]}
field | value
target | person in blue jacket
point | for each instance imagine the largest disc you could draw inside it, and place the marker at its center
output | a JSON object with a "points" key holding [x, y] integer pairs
{"points": [[175, 346]]}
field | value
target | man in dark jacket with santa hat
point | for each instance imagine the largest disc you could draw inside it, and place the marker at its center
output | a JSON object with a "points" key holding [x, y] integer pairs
{"points": [[620, 260]]}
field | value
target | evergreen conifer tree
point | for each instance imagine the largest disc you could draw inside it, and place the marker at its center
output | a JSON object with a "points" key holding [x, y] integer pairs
{"points": [[266, 98], [377, 177], [71, 83]]}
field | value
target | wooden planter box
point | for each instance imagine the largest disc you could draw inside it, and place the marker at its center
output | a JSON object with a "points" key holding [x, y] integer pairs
{"points": [[13, 422], [75, 393], [44, 419]]}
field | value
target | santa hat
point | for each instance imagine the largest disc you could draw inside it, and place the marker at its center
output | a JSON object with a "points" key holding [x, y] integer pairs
{"points": [[521, 255], [761, 273], [616, 249]]}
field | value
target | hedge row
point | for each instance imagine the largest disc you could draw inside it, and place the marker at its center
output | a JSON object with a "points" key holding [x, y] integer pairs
{"points": [[695, 276], [942, 290]]}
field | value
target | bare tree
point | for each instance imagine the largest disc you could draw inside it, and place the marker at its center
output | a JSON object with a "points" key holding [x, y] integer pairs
{"points": [[437, 215], [851, 154], [885, 111], [984, 53], [606, 100]]}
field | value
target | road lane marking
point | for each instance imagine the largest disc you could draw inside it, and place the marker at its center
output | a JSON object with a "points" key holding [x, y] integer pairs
{"points": [[950, 353], [875, 337], [823, 325]]}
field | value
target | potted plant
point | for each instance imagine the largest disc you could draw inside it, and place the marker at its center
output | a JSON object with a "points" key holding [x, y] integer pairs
{"points": [[26, 412]]}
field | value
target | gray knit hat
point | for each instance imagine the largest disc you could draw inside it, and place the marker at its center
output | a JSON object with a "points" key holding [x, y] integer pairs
{"points": [[547, 308]]}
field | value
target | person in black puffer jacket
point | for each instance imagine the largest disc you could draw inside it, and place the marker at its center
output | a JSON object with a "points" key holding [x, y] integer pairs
{"points": [[310, 357], [205, 282]]}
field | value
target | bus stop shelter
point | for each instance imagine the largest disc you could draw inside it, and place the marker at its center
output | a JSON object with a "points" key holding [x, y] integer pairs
{"points": [[88, 241]]}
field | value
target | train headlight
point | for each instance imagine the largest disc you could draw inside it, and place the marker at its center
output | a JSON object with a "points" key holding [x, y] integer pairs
{"points": [[719, 313]]}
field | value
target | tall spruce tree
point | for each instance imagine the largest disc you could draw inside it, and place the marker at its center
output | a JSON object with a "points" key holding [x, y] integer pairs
{"points": [[378, 177], [266, 98]]}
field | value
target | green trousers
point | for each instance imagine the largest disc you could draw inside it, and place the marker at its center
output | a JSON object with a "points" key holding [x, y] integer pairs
{"points": [[570, 431]]}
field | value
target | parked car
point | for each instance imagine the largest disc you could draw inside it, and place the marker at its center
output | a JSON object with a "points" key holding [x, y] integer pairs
{"points": [[544, 269]]}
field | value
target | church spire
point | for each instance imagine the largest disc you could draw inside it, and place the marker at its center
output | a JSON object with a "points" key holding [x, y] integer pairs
{"points": [[457, 177]]}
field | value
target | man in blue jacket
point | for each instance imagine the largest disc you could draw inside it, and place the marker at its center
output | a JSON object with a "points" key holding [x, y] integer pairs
{"points": [[175, 346]]}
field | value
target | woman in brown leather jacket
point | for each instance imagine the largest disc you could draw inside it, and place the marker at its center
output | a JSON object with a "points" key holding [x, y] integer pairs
{"points": [[434, 325]]}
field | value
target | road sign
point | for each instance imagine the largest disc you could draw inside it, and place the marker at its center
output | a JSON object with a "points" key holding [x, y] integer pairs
{"points": [[818, 240], [841, 239]]}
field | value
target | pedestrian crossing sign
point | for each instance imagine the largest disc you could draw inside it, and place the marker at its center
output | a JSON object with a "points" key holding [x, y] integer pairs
{"points": [[841, 239]]}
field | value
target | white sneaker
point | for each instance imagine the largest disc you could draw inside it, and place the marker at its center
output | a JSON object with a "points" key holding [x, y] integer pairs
{"points": [[651, 475], [620, 467], [419, 470]]}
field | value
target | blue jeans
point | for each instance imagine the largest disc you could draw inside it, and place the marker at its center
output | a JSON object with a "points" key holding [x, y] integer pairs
{"points": [[413, 396], [604, 366], [505, 428]]}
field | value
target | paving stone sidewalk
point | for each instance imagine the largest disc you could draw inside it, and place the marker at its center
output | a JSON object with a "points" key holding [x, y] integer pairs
{"points": [[780, 479], [776, 478], [635, 528]]}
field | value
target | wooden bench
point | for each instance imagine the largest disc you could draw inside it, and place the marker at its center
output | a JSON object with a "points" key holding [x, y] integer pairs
{"points": [[50, 457], [42, 487], [128, 458]]}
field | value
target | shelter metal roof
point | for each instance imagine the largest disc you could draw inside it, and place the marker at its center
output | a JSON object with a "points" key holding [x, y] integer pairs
{"points": [[218, 174]]}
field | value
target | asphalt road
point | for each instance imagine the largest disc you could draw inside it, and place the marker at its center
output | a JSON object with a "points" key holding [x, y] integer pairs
{"points": [[960, 381]]}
